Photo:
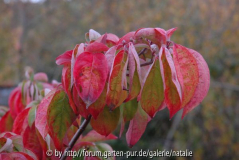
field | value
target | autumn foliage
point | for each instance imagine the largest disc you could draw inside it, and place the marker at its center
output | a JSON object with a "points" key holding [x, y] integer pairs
{"points": [[110, 79]]}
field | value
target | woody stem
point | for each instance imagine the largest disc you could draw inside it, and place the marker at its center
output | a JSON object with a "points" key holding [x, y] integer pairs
{"points": [[76, 136]]}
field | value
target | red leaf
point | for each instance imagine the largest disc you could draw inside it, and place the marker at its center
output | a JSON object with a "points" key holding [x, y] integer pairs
{"points": [[65, 58], [96, 47], [41, 116], [187, 71], [42, 142], [21, 122], [108, 38], [76, 52], [90, 74], [66, 83], [31, 142], [6, 122], [81, 107], [15, 102], [41, 77], [110, 56], [156, 35], [172, 90], [93, 136], [170, 32], [98, 106], [137, 127], [106, 122], [203, 85], [112, 38], [126, 37]]}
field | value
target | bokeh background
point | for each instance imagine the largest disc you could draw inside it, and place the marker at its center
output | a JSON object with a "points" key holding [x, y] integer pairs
{"points": [[34, 32]]}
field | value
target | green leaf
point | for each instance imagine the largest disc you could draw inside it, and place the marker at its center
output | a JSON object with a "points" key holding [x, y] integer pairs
{"points": [[129, 109], [103, 147], [32, 113]]}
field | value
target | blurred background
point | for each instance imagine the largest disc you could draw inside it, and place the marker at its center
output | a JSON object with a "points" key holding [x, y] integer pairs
{"points": [[34, 32]]}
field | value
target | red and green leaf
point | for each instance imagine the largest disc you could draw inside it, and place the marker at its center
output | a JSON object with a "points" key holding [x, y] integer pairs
{"points": [[172, 91], [137, 126], [90, 74], [106, 122], [152, 94], [60, 117], [66, 83], [134, 73], [116, 95]]}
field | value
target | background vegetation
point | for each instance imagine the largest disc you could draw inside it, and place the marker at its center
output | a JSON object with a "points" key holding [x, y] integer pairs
{"points": [[34, 33]]}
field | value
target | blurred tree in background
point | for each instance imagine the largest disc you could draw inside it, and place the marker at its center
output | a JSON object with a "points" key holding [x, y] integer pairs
{"points": [[33, 33]]}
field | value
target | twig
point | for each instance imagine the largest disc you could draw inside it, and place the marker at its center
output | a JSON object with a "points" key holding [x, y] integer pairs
{"points": [[171, 131], [148, 63], [76, 136], [142, 51]]}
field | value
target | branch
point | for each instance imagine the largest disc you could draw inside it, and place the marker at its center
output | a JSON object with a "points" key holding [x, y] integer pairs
{"points": [[148, 63], [76, 136], [142, 51], [171, 132]]}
